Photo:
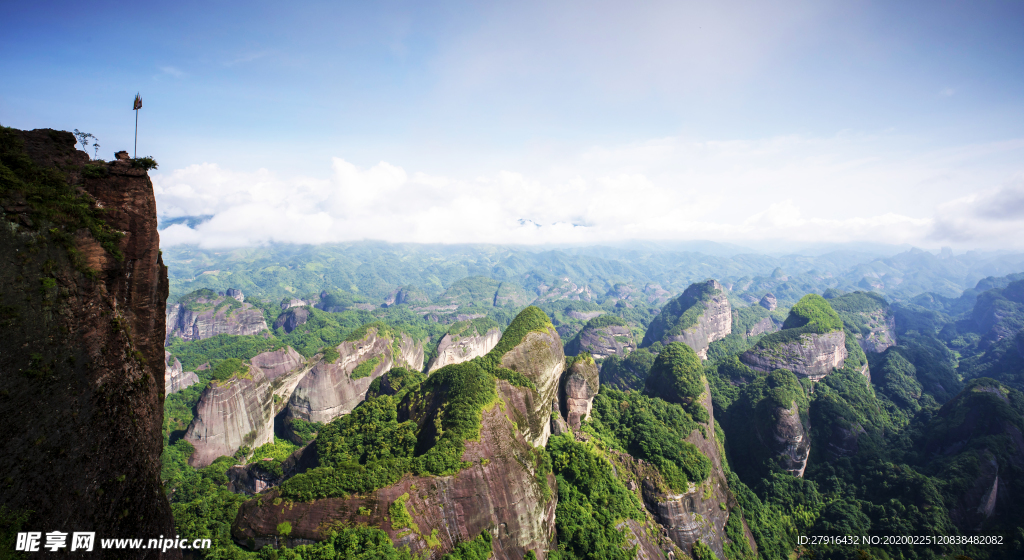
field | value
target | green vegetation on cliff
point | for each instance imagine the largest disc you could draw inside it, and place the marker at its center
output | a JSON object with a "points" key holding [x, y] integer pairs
{"points": [[591, 502], [53, 205], [370, 448], [678, 376], [629, 372], [814, 314], [654, 430], [681, 313], [811, 315], [531, 319]]}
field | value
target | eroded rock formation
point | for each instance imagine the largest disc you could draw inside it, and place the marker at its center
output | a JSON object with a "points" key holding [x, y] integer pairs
{"points": [[82, 352], [207, 316], [330, 389], [602, 341], [499, 493], [232, 414], [240, 412], [787, 439], [541, 359], [454, 349], [812, 355], [580, 384], [175, 378], [769, 302], [882, 334], [291, 319], [766, 325], [698, 317], [695, 514]]}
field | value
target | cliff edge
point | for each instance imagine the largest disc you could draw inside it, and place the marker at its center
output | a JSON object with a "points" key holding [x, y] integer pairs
{"points": [[82, 304]]}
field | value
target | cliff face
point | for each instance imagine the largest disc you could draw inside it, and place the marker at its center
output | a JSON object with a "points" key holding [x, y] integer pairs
{"points": [[231, 414], [812, 355], [601, 342], [175, 378], [787, 439], [499, 493], [240, 412], [696, 514], [882, 332], [541, 359], [765, 325], [330, 390], [769, 302], [292, 318], [698, 317], [458, 349], [83, 342], [580, 384], [208, 318]]}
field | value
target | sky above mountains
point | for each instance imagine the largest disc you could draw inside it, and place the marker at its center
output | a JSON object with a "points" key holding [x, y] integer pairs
{"points": [[546, 122]]}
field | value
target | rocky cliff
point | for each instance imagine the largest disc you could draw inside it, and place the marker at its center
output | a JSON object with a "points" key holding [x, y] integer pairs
{"points": [[602, 337], [786, 438], [697, 514], [82, 295], [499, 493], [812, 342], [766, 325], [205, 314], [812, 355], [698, 317], [455, 348], [580, 384], [239, 412], [291, 319], [540, 358], [769, 302], [335, 387], [235, 413], [881, 332], [175, 378]]}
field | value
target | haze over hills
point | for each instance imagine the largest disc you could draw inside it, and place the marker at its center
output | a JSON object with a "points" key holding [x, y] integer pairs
{"points": [[370, 271]]}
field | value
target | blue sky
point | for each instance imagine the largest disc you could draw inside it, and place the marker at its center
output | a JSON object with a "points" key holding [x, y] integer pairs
{"points": [[546, 122]]}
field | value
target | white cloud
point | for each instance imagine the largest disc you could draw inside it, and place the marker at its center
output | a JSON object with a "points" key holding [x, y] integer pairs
{"points": [[846, 188], [172, 71]]}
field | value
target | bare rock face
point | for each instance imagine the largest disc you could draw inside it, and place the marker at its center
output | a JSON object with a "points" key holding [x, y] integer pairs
{"points": [[541, 359], [240, 412], [580, 384], [330, 390], [695, 514], [291, 319], [235, 293], [499, 493], [882, 335], [458, 349], [279, 362], [208, 317], [813, 356], [769, 302], [232, 414], [82, 353], [766, 325], [603, 341], [175, 378], [698, 317], [787, 439]]}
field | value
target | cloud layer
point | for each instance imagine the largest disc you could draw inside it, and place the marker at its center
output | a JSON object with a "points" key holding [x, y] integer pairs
{"points": [[787, 188]]}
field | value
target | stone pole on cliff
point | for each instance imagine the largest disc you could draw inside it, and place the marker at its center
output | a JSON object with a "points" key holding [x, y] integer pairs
{"points": [[136, 107]]}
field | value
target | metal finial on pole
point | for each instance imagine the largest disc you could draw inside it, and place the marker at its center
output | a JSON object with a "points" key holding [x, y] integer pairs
{"points": [[136, 107]]}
